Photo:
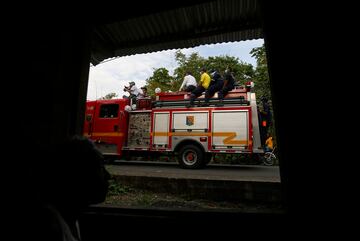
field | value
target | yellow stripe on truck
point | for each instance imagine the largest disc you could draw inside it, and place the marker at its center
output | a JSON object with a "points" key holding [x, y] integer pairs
{"points": [[105, 134], [230, 136]]}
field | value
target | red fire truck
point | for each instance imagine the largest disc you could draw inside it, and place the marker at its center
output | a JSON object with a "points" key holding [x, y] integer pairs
{"points": [[166, 124]]}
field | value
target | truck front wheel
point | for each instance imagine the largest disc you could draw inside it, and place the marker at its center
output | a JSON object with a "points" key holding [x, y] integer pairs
{"points": [[191, 157]]}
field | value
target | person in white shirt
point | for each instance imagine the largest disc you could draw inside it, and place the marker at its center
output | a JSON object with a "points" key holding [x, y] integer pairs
{"points": [[133, 91], [189, 83]]}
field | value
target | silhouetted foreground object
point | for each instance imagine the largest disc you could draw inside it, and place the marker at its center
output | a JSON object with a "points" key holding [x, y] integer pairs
{"points": [[67, 180]]}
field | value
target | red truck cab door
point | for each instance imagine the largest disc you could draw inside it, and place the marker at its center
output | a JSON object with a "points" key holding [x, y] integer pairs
{"points": [[89, 118], [105, 124]]}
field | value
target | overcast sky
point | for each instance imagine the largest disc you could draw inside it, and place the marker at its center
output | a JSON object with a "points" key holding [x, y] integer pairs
{"points": [[112, 76]]}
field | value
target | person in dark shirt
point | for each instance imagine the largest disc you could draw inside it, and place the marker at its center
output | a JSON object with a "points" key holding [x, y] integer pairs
{"points": [[215, 85], [228, 84]]}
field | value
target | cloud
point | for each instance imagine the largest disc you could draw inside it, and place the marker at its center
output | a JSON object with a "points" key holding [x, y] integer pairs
{"points": [[112, 76], [240, 50]]}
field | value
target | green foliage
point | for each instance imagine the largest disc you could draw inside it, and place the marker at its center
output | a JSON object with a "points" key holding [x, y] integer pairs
{"points": [[109, 96], [192, 64], [261, 77], [146, 199], [242, 71], [161, 79], [259, 54], [236, 159], [116, 188]]}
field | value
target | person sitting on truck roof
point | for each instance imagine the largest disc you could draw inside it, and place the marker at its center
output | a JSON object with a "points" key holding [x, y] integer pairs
{"points": [[143, 93], [203, 86], [228, 84], [216, 85], [133, 91], [189, 83]]}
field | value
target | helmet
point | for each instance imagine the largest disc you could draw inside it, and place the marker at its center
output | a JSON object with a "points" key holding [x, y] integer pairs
{"points": [[157, 90], [215, 75], [132, 83]]}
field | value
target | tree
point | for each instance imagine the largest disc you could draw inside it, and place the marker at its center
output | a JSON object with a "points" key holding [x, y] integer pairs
{"points": [[192, 64], [261, 77], [242, 71], [108, 96], [161, 79], [261, 80]]}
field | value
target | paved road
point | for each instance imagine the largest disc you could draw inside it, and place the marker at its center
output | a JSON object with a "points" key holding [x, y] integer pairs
{"points": [[211, 172]]}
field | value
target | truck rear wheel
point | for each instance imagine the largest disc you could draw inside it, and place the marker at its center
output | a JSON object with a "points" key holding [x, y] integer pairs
{"points": [[191, 157]]}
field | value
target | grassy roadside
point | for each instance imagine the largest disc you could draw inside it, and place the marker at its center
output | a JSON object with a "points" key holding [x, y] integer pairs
{"points": [[126, 196]]}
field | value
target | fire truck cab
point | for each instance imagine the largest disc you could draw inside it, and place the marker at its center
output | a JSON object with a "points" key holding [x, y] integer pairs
{"points": [[167, 125]]}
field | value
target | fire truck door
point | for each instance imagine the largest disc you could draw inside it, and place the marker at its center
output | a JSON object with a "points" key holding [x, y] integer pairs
{"points": [[89, 119], [107, 119], [161, 129], [107, 132], [190, 125], [230, 129]]}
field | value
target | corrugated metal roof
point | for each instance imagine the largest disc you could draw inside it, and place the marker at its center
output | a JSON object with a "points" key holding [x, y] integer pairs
{"points": [[212, 22]]}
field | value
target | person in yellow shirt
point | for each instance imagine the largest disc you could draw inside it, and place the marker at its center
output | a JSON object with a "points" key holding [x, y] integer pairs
{"points": [[269, 145], [203, 86]]}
